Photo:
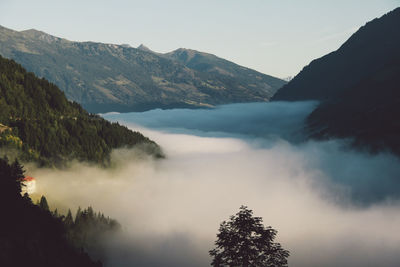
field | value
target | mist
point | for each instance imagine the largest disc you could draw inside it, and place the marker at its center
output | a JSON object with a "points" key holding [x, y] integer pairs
{"points": [[332, 206], [246, 120]]}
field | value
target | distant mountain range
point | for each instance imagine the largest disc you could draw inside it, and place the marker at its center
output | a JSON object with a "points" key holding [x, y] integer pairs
{"points": [[358, 87], [109, 77]]}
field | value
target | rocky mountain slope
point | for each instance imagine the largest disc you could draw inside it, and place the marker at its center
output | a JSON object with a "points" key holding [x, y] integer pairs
{"points": [[358, 86], [108, 77]]}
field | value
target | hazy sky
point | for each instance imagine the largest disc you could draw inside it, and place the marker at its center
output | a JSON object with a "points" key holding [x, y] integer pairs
{"points": [[277, 37]]}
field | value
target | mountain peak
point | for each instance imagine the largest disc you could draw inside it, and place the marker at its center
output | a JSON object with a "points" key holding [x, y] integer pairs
{"points": [[183, 54], [32, 30], [144, 48], [126, 45], [357, 86], [105, 77], [33, 33]]}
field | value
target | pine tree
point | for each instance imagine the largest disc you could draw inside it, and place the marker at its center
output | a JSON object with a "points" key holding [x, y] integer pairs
{"points": [[27, 199], [90, 213], [10, 180], [17, 169], [43, 203], [78, 215], [69, 221]]}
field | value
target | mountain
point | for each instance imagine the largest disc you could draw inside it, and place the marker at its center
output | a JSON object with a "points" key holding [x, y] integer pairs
{"points": [[38, 121], [209, 63], [144, 48], [109, 77], [358, 87]]}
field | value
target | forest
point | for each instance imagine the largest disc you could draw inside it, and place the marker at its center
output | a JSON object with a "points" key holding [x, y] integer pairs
{"points": [[32, 235], [39, 122]]}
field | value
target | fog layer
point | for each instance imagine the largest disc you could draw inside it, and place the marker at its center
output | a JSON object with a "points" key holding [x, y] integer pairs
{"points": [[247, 120], [331, 206]]}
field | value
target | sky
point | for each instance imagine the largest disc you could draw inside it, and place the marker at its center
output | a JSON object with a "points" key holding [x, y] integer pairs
{"points": [[274, 37]]}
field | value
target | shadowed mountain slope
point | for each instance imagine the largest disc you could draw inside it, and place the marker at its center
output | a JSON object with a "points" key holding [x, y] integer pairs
{"points": [[358, 86]]}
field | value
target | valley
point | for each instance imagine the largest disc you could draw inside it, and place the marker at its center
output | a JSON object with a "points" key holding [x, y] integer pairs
{"points": [[112, 155]]}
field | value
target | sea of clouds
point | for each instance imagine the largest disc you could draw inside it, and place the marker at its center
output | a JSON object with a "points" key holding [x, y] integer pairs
{"points": [[332, 206]]}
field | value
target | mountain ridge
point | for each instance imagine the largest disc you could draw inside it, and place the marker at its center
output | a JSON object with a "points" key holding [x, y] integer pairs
{"points": [[358, 87], [109, 77]]}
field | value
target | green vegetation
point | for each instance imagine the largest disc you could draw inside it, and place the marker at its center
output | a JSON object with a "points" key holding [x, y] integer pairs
{"points": [[30, 235], [88, 231], [244, 241], [37, 120]]}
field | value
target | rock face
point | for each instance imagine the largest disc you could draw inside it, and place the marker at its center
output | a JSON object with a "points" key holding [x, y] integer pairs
{"points": [[108, 77], [358, 86]]}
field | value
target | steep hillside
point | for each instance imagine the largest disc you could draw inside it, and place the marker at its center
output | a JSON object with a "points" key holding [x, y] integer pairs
{"points": [[212, 64], [358, 86], [29, 235], [107, 77], [366, 52], [38, 120]]}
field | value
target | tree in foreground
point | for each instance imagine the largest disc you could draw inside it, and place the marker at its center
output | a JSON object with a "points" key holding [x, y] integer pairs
{"points": [[244, 241]]}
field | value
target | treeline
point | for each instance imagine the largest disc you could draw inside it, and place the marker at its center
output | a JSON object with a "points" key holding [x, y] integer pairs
{"points": [[87, 230], [38, 120], [29, 234]]}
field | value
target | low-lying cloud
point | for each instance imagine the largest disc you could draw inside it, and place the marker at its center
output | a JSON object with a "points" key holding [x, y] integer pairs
{"points": [[171, 209], [247, 120]]}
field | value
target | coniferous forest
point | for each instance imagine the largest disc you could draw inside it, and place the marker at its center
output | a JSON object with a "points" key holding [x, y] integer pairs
{"points": [[38, 121], [31, 235], [38, 124]]}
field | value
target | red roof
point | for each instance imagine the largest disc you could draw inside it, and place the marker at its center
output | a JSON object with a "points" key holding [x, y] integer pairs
{"points": [[28, 179]]}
